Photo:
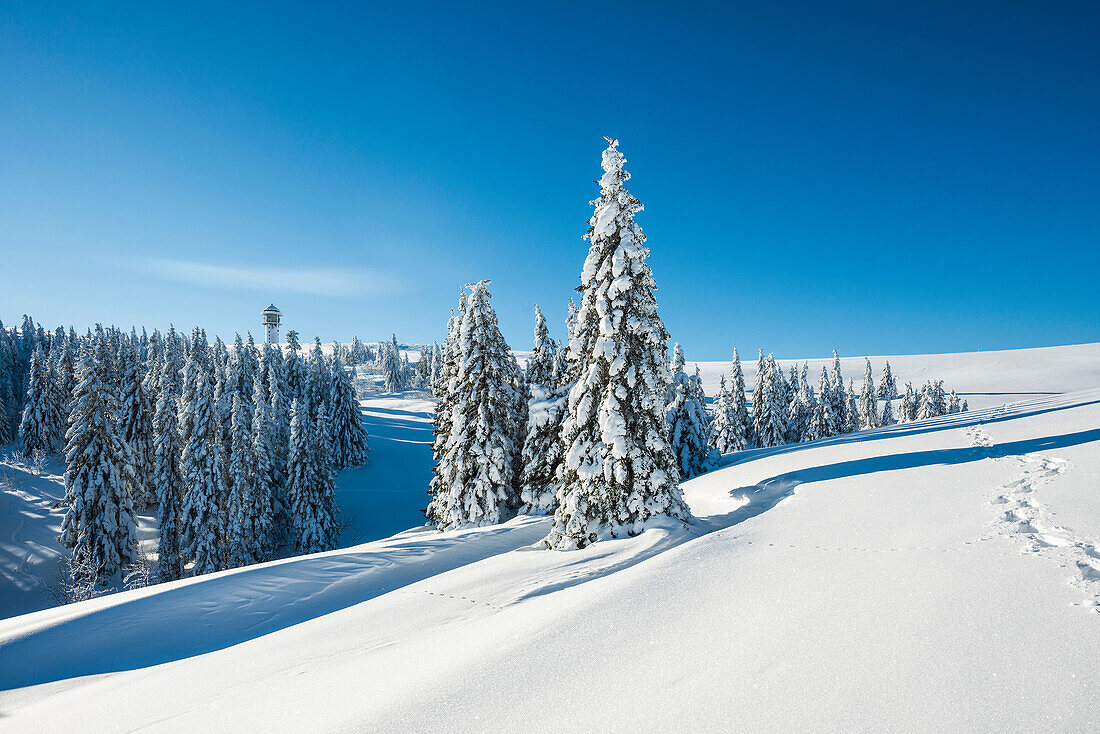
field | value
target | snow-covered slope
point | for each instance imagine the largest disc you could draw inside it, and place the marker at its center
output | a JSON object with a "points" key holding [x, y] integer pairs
{"points": [[941, 575], [984, 379]]}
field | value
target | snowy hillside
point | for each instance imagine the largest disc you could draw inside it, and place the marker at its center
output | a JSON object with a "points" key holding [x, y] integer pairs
{"points": [[984, 378], [939, 575]]}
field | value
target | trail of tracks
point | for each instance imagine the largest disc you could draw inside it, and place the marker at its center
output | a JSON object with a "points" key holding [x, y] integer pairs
{"points": [[1024, 518]]}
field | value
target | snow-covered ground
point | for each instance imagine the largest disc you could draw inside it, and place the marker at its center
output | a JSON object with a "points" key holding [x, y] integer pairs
{"points": [[983, 379], [940, 575], [390, 493]]}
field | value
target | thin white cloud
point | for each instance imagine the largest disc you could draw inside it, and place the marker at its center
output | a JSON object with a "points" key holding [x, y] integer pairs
{"points": [[343, 282]]}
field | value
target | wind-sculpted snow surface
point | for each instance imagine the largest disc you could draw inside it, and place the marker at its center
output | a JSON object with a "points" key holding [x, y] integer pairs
{"points": [[865, 582], [933, 576], [194, 616]]}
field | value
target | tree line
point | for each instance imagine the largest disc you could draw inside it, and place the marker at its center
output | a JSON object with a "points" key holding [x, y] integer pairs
{"points": [[236, 448]]}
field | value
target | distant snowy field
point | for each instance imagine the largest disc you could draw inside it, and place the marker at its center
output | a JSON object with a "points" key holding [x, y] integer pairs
{"points": [[937, 576]]}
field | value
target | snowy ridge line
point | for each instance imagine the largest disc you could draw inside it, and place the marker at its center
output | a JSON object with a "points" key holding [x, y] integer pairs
{"points": [[1024, 519], [181, 619], [1008, 411]]}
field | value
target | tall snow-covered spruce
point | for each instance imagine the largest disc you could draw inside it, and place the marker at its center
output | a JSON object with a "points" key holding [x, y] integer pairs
{"points": [[167, 477], [99, 524], [868, 404], [202, 522], [135, 426], [770, 405], [35, 427], [349, 437], [476, 471], [619, 471]]}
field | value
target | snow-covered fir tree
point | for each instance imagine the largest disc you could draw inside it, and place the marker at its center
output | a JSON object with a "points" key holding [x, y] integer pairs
{"points": [[135, 425], [540, 367], [99, 523], [953, 404], [437, 364], [619, 470], [328, 529], [688, 420], [25, 346], [477, 469], [36, 427], [443, 389], [168, 481], [62, 384], [758, 399], [318, 379], [309, 483], [293, 371], [726, 434], [545, 409], [839, 405], [740, 404], [786, 389], [355, 352], [423, 368], [770, 407], [279, 404], [445, 368], [887, 386], [823, 423], [909, 405], [851, 415], [349, 436], [262, 540], [154, 360], [393, 369], [239, 531], [248, 357], [933, 401], [194, 364], [571, 314], [868, 402], [801, 409], [542, 450], [8, 381], [202, 523], [408, 375], [561, 359], [226, 379]]}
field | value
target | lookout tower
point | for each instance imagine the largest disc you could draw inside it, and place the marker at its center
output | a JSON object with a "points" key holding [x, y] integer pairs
{"points": [[271, 321]]}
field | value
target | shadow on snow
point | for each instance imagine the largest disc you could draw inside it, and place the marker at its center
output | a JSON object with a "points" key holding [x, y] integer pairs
{"points": [[212, 613]]}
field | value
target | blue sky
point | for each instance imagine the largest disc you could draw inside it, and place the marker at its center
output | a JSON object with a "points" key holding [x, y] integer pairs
{"points": [[865, 176]]}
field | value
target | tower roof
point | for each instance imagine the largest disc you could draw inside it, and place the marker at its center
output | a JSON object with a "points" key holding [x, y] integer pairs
{"points": [[271, 308]]}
